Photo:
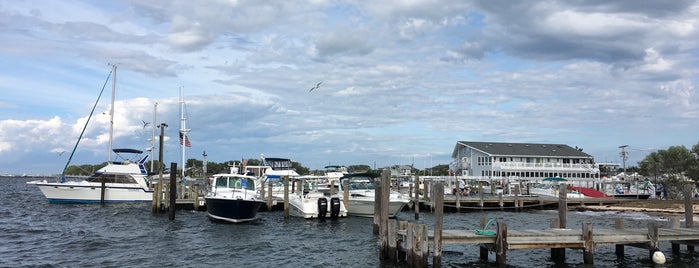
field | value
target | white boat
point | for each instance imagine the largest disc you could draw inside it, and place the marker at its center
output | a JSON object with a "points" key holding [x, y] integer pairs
{"points": [[124, 181], [362, 192], [272, 170], [628, 189], [331, 178], [233, 198], [307, 202], [549, 187]]}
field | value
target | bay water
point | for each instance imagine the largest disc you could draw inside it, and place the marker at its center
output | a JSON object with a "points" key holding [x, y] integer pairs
{"points": [[34, 233]]}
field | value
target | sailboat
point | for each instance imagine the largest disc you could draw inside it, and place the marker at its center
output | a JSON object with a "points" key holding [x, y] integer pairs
{"points": [[119, 181]]}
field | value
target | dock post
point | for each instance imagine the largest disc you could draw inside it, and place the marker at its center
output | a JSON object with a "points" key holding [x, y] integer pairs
{"points": [[332, 187], [589, 245], [402, 252], [381, 214], [517, 190], [688, 207], [500, 201], [269, 195], [410, 244], [345, 193], [653, 244], [286, 196], [619, 248], [501, 244], [392, 240], [377, 205], [675, 224], [417, 197], [559, 254], [438, 223], [480, 193], [173, 190], [483, 248], [103, 188], [423, 245]]}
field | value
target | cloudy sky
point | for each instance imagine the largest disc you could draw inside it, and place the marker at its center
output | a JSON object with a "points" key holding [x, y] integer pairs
{"points": [[402, 81]]}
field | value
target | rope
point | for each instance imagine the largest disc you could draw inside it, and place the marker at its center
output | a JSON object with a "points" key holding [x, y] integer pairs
{"points": [[484, 231]]}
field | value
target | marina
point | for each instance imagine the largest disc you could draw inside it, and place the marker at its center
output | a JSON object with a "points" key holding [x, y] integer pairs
{"points": [[105, 236]]}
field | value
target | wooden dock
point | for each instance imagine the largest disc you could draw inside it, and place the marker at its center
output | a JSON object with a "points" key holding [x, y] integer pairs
{"points": [[411, 241]]}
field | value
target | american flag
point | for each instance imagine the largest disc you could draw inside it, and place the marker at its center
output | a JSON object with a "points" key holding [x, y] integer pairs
{"points": [[185, 140]]}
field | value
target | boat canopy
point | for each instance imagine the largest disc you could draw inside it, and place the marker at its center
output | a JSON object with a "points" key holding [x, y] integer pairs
{"points": [[124, 150], [555, 179]]}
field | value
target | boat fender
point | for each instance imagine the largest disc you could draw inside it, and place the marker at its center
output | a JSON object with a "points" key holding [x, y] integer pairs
{"points": [[334, 207], [322, 207]]}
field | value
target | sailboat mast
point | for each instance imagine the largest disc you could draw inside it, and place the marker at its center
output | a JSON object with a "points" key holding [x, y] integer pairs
{"points": [[111, 114], [183, 130]]}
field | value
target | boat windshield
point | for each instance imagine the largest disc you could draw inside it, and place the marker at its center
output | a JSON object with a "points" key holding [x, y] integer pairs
{"points": [[235, 183], [361, 184]]}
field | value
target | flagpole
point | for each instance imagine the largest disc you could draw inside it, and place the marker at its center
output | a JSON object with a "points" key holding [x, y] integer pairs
{"points": [[183, 130]]}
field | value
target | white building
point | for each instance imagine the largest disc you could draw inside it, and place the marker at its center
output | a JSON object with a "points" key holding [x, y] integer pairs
{"points": [[527, 161]]}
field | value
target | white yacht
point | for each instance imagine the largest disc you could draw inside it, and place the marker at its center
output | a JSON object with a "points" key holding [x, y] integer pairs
{"points": [[362, 193]]}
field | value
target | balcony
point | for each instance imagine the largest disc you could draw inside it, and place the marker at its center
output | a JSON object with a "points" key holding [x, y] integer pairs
{"points": [[558, 167]]}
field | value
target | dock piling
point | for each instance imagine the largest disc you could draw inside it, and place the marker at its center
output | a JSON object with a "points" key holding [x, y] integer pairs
{"points": [[173, 190], [438, 222]]}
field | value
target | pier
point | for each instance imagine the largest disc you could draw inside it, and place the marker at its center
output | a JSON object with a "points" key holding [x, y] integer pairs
{"points": [[411, 242]]}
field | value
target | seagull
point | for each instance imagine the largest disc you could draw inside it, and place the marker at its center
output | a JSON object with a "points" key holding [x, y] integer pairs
{"points": [[61, 153], [316, 86], [145, 124]]}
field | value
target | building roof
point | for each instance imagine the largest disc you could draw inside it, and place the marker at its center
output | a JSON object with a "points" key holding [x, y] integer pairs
{"points": [[523, 149]]}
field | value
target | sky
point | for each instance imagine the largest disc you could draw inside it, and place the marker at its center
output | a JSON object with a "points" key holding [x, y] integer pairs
{"points": [[401, 82]]}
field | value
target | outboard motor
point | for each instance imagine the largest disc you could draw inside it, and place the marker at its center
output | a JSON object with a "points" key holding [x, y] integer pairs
{"points": [[334, 208], [322, 208]]}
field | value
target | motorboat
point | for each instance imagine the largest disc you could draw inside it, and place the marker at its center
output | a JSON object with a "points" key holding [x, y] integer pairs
{"points": [[233, 198], [307, 202], [118, 181], [122, 181], [550, 187], [628, 189], [272, 171], [362, 192]]}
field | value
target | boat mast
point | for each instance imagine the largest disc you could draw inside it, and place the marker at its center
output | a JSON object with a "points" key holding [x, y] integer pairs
{"points": [[183, 130], [111, 116]]}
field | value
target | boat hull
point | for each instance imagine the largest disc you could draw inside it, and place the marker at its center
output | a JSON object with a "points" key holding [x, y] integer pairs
{"points": [[232, 210], [87, 193], [365, 208], [308, 208], [632, 196]]}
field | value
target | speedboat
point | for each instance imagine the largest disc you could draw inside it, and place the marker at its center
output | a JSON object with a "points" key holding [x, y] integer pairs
{"points": [[307, 202], [362, 192], [233, 198], [124, 181]]}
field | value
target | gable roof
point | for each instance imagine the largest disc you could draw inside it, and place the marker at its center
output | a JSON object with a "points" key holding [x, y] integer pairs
{"points": [[523, 149]]}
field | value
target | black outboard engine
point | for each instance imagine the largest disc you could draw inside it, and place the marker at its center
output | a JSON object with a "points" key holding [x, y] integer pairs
{"points": [[334, 208], [322, 207]]}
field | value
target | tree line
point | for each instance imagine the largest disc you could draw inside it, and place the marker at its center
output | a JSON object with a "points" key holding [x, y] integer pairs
{"points": [[673, 167], [195, 168]]}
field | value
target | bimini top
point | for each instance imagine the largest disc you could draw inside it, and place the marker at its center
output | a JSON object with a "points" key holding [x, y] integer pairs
{"points": [[124, 150]]}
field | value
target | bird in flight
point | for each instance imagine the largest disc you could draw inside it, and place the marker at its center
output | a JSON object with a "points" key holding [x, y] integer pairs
{"points": [[145, 124], [316, 86]]}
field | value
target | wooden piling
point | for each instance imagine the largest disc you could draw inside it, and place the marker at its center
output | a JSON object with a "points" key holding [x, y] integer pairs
{"points": [[483, 248], [619, 248], [392, 240], [416, 199], [675, 224], [286, 196], [269, 195], [382, 213], [102, 191], [501, 244], [173, 190], [438, 222], [688, 206], [654, 243], [559, 254], [588, 244], [480, 193], [402, 252], [345, 193]]}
